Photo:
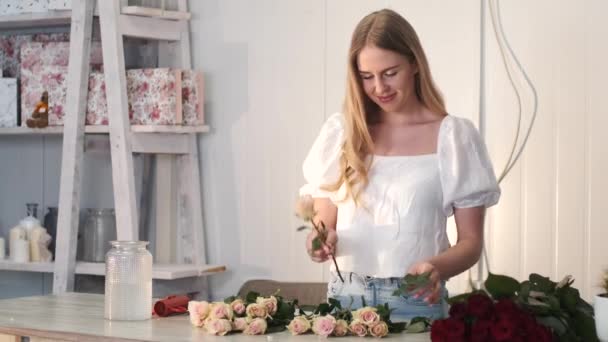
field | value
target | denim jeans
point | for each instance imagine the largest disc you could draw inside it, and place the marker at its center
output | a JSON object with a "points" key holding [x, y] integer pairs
{"points": [[378, 291]]}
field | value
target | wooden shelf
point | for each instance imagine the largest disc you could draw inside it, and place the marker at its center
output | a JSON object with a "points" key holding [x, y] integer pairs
{"points": [[104, 130], [159, 271], [64, 17], [25, 20]]}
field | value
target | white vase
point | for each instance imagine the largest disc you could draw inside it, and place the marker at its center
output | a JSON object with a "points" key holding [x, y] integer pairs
{"points": [[601, 317]]}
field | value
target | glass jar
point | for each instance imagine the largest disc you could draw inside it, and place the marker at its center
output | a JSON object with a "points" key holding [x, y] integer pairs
{"points": [[99, 229], [128, 285]]}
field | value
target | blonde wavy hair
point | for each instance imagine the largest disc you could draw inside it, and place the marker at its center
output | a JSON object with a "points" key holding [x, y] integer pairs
{"points": [[387, 30]]}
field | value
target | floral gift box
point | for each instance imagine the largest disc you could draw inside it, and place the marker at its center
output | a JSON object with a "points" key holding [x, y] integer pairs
{"points": [[8, 102], [193, 97], [10, 49], [50, 78], [97, 106], [44, 67], [155, 96]]}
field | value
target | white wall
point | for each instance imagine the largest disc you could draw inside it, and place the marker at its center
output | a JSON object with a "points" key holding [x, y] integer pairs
{"points": [[550, 218], [274, 71]]}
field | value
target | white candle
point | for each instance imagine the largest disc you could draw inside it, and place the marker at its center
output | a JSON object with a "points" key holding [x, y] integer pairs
{"points": [[16, 233], [2, 249], [34, 236], [21, 251]]}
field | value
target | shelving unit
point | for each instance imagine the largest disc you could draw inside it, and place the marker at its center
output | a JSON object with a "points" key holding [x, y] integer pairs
{"points": [[105, 130], [34, 20], [116, 20], [159, 271]]}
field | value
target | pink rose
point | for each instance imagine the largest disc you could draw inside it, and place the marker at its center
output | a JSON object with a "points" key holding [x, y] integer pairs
{"points": [[220, 310], [239, 324], [341, 328], [238, 306], [218, 327], [198, 312], [298, 325], [378, 329], [269, 302], [256, 327], [367, 315], [358, 328], [256, 310], [324, 325]]}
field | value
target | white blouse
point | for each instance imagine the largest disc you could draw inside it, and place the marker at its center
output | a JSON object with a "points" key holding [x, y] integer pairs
{"points": [[407, 200]]}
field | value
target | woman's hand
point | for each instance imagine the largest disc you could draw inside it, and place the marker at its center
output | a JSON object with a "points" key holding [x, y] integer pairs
{"points": [[432, 292], [328, 249]]}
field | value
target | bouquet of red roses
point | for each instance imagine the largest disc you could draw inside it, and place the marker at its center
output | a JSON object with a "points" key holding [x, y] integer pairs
{"points": [[479, 318]]}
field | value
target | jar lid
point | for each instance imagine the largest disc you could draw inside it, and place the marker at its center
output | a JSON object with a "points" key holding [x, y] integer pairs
{"points": [[128, 244]]}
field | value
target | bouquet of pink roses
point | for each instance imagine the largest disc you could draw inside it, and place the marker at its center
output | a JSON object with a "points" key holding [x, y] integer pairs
{"points": [[254, 315], [330, 319]]}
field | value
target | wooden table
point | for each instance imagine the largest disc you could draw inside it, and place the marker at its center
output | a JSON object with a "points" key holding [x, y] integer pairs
{"points": [[79, 317]]}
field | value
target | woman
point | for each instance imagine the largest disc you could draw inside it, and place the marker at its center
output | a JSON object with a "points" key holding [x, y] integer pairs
{"points": [[387, 172]]}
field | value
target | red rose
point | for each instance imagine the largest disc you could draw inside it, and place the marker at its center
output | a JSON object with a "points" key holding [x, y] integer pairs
{"points": [[438, 331], [480, 331], [448, 330], [528, 324], [480, 306], [455, 328], [503, 330], [506, 306], [458, 311]]}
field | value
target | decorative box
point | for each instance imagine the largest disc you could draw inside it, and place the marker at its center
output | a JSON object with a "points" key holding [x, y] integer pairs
{"points": [[50, 78], [8, 102], [34, 54], [44, 67], [97, 106], [60, 4], [10, 49], [193, 97], [155, 96]]}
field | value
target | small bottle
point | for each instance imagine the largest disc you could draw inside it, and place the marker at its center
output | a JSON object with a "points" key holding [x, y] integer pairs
{"points": [[128, 283]]}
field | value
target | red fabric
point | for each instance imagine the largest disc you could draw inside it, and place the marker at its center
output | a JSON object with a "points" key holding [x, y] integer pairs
{"points": [[171, 305]]}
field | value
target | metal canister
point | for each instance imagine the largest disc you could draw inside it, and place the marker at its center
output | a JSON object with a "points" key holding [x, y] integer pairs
{"points": [[99, 229]]}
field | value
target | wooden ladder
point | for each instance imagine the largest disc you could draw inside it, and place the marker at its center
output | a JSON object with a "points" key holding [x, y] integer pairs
{"points": [[114, 25]]}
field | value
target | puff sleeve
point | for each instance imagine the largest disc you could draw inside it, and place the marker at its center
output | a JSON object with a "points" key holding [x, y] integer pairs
{"points": [[467, 176], [322, 164]]}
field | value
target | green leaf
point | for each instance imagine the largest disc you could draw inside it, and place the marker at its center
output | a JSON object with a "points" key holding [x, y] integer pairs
{"points": [[230, 299], [418, 325], [383, 311], [416, 328], [323, 309], [285, 311], [275, 328], [501, 286], [395, 328], [252, 297], [584, 325], [316, 244], [542, 284], [413, 282], [554, 323], [334, 302], [363, 303]]}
